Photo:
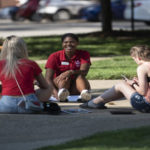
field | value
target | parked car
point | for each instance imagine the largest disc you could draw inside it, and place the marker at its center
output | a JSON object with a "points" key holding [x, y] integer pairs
{"points": [[93, 12], [62, 9], [141, 11]]}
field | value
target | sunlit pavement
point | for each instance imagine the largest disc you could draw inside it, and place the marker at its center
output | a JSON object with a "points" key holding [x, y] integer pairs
{"points": [[48, 28]]}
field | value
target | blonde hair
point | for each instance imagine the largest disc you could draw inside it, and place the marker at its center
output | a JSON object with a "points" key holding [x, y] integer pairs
{"points": [[142, 51], [13, 49]]}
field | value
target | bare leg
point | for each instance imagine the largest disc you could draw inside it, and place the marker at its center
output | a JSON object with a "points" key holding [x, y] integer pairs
{"points": [[63, 88], [79, 84], [120, 90], [62, 83], [82, 83]]}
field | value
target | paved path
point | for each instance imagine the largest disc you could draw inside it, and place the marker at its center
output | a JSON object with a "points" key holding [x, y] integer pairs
{"points": [[27, 132]]}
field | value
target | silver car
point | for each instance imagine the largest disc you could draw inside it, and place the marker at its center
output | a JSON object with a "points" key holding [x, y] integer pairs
{"points": [[62, 9]]}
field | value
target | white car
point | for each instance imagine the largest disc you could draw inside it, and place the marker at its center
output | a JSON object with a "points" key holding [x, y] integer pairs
{"points": [[141, 10], [62, 9]]}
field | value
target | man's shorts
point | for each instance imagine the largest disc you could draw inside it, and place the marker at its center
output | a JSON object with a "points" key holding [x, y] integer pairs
{"points": [[139, 103]]}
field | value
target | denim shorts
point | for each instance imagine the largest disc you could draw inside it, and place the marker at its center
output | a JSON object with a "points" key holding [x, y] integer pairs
{"points": [[139, 103], [9, 104]]}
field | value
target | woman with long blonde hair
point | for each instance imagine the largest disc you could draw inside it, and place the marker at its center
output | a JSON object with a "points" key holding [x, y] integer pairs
{"points": [[17, 75]]}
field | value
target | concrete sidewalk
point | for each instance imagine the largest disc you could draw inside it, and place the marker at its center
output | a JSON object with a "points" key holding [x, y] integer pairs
{"points": [[99, 86], [31, 131]]}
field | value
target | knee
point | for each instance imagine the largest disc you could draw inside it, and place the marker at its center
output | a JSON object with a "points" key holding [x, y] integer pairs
{"points": [[119, 85]]}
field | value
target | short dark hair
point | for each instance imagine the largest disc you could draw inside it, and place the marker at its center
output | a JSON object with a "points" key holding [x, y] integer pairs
{"points": [[69, 35]]}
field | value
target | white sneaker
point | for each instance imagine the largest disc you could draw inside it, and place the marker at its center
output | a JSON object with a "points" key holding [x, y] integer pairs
{"points": [[85, 95], [63, 94]]}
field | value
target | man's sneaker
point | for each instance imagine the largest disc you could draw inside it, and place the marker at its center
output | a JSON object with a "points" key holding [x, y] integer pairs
{"points": [[85, 95], [63, 94]]}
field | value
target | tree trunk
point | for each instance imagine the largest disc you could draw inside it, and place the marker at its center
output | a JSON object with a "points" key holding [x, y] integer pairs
{"points": [[106, 16]]}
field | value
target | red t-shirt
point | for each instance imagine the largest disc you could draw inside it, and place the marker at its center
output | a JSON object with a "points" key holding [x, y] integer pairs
{"points": [[58, 62], [29, 70]]}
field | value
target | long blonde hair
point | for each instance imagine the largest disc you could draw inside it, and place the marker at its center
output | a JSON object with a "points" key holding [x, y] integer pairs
{"points": [[13, 49]]}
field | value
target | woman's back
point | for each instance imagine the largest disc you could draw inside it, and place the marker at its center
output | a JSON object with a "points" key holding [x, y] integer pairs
{"points": [[28, 70]]}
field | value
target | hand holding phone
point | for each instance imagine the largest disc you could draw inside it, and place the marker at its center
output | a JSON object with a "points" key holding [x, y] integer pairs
{"points": [[124, 77]]}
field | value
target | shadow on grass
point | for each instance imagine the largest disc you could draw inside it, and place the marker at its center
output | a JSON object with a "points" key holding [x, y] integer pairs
{"points": [[129, 139], [97, 44]]}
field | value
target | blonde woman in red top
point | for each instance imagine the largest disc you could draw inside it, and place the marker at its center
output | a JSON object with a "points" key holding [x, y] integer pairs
{"points": [[17, 74]]}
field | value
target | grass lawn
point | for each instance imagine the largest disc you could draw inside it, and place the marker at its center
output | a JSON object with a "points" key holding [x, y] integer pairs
{"points": [[116, 44], [119, 43], [98, 45], [110, 68], [128, 139]]}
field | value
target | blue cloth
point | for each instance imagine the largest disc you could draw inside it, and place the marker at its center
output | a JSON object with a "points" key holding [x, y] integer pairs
{"points": [[139, 103], [9, 104]]}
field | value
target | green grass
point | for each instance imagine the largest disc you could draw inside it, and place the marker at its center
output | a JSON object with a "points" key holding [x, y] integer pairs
{"points": [[110, 68], [96, 44], [128, 139], [118, 43]]}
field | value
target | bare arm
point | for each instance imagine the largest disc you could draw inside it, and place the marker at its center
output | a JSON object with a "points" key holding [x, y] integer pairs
{"points": [[49, 78], [84, 68], [45, 90], [142, 85], [42, 82]]}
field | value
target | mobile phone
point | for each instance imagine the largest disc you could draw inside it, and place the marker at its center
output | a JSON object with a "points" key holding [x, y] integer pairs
{"points": [[124, 77]]}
